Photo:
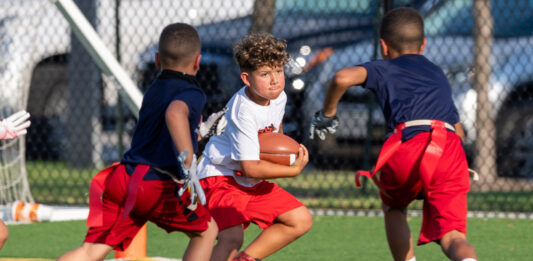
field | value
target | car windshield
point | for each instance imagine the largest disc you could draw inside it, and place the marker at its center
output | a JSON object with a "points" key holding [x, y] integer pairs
{"points": [[455, 17], [317, 7]]}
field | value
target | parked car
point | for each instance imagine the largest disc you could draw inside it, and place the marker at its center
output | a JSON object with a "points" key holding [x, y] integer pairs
{"points": [[305, 28], [511, 79], [449, 29], [311, 33], [36, 50]]}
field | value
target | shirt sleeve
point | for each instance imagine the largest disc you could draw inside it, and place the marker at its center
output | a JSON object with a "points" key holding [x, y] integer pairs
{"points": [[194, 98], [374, 75]]}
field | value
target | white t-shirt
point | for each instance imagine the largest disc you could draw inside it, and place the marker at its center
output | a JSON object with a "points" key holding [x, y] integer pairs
{"points": [[223, 153]]}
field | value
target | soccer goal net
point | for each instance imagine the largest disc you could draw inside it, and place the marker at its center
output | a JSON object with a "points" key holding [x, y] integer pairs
{"points": [[13, 180], [14, 185]]}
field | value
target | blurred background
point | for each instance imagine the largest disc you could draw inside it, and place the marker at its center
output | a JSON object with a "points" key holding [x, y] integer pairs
{"points": [[81, 122]]}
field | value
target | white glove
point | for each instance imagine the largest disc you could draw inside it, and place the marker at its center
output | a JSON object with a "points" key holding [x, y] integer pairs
{"points": [[191, 181], [15, 125], [214, 125], [320, 125]]}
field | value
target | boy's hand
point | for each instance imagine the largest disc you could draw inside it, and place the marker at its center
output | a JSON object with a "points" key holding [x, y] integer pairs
{"points": [[214, 125], [191, 181], [15, 125], [303, 157], [320, 125]]}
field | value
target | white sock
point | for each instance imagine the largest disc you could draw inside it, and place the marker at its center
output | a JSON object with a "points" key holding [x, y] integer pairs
{"points": [[414, 259], [468, 259]]}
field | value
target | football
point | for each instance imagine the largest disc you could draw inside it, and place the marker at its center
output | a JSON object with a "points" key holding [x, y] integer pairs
{"points": [[278, 148]]}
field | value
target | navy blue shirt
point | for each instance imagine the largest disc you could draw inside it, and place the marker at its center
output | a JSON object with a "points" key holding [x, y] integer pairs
{"points": [[152, 144], [411, 87]]}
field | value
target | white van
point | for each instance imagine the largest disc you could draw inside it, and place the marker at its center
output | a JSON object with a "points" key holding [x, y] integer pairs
{"points": [[39, 60]]}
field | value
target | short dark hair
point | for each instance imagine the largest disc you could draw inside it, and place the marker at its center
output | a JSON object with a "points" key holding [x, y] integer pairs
{"points": [[179, 43], [260, 49], [403, 29]]}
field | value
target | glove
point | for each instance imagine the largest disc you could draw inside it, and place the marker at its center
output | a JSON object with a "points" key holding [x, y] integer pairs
{"points": [[214, 125], [191, 181], [15, 125], [320, 125]]}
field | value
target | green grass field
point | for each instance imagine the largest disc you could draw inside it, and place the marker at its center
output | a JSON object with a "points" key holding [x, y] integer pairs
{"points": [[331, 238], [59, 184]]}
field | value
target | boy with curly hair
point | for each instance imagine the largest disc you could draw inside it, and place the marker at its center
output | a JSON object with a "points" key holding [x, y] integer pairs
{"points": [[231, 172]]}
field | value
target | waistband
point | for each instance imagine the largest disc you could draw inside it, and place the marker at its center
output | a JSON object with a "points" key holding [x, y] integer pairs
{"points": [[413, 123], [153, 173]]}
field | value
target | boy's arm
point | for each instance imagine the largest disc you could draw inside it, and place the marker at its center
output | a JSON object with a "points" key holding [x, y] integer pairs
{"points": [[460, 131], [176, 117], [326, 121], [261, 169], [340, 82]]}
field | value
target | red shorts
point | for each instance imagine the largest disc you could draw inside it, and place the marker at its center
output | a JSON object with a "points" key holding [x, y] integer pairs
{"points": [[156, 201], [232, 204], [445, 208]]}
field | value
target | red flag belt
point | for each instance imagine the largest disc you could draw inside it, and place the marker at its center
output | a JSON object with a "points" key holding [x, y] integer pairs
{"points": [[97, 187], [430, 157], [96, 191]]}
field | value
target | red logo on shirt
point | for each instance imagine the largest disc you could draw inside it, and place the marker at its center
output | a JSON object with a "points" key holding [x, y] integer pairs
{"points": [[270, 128]]}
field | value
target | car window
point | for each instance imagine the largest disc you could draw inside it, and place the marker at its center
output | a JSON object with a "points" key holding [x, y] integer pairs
{"points": [[317, 7], [455, 17], [314, 7]]}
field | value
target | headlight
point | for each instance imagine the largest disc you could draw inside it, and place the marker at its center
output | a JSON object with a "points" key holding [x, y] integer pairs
{"points": [[298, 84]]}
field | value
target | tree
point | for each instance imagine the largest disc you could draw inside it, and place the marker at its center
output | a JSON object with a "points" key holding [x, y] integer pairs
{"points": [[263, 16], [485, 157]]}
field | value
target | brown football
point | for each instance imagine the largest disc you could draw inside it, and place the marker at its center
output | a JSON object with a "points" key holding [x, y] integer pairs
{"points": [[278, 148]]}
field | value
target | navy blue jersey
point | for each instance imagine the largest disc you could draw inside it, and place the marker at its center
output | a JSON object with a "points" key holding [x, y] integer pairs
{"points": [[152, 144], [411, 87]]}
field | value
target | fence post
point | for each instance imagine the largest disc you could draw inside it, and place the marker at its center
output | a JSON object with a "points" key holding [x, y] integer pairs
{"points": [[263, 16], [485, 156], [83, 124]]}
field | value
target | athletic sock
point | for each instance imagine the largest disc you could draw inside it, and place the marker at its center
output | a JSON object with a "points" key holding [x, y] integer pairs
{"points": [[245, 257], [412, 259], [469, 259]]}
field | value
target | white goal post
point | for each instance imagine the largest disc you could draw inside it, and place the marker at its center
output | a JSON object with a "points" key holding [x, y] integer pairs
{"points": [[100, 53]]}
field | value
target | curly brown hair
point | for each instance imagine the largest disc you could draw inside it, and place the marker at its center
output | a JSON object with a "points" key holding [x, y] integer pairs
{"points": [[260, 49]]}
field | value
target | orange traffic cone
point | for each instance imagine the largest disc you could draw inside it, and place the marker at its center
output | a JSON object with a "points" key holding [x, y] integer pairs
{"points": [[137, 248], [30, 212]]}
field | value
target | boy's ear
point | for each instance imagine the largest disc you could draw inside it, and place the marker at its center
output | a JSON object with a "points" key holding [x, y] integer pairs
{"points": [[157, 62], [423, 46], [197, 62], [384, 48], [245, 78]]}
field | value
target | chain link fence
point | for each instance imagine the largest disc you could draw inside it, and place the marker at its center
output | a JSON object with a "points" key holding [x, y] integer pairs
{"points": [[80, 124]]}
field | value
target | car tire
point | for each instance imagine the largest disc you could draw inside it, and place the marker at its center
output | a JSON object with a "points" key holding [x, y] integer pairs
{"points": [[47, 101], [515, 141]]}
